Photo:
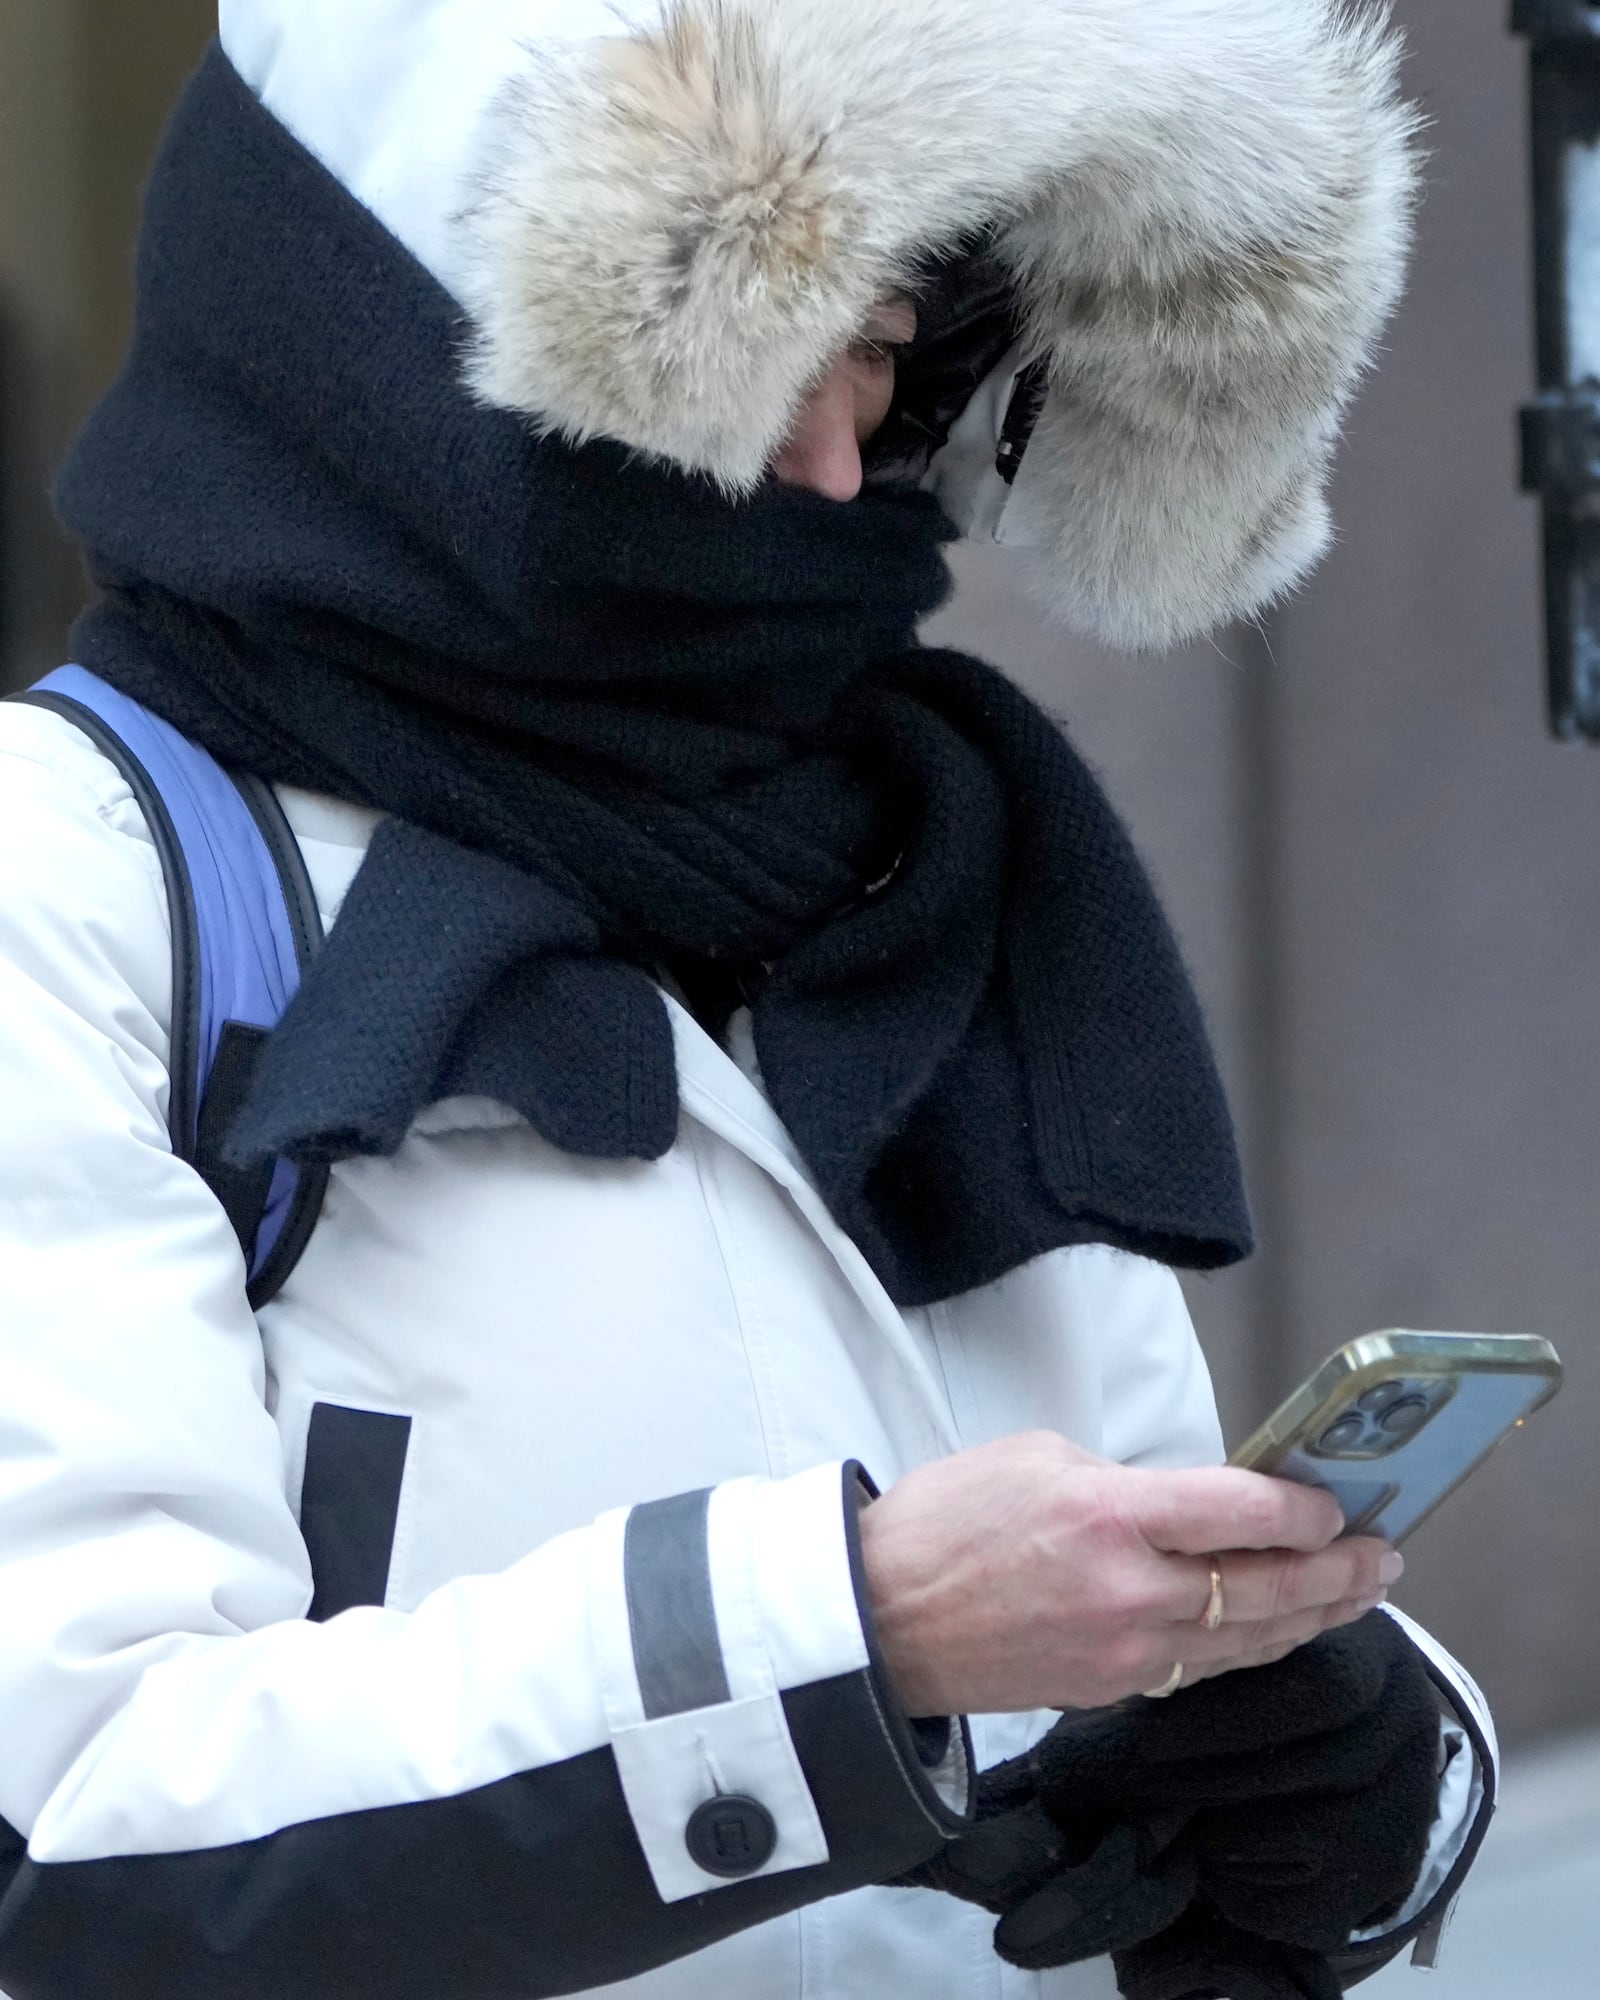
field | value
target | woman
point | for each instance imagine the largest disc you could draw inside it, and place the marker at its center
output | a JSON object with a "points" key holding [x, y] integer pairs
{"points": [[750, 1061]]}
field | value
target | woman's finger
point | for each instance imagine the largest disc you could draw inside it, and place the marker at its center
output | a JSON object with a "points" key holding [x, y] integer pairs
{"points": [[1221, 1507], [1229, 1649], [1257, 1587], [1260, 1645], [1243, 1645]]}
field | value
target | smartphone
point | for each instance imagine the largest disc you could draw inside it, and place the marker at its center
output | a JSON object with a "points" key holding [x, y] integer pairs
{"points": [[1393, 1423]]}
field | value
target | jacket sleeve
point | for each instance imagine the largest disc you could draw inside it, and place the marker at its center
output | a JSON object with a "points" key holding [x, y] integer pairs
{"points": [[647, 1734], [1161, 1412]]}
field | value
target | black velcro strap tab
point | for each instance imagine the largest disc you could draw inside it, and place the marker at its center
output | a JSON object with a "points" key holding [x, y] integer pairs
{"points": [[350, 1504], [242, 1191]]}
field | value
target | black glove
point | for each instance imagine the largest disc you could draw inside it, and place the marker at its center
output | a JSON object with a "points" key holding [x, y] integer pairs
{"points": [[1311, 1785], [1294, 1801], [1203, 1958], [1065, 1886]]}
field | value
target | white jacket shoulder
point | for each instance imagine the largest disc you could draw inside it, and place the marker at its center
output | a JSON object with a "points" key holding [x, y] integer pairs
{"points": [[85, 943]]}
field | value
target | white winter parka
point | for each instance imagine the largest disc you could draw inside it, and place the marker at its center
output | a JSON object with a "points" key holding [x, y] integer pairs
{"points": [[390, 1646]]}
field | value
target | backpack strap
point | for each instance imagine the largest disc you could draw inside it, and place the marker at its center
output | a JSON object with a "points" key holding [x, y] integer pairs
{"points": [[245, 925]]}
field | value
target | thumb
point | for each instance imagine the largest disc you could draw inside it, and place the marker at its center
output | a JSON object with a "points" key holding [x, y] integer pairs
{"points": [[1000, 1859], [1106, 1904]]}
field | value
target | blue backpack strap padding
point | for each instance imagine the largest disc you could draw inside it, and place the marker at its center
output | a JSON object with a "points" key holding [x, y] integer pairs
{"points": [[244, 927]]}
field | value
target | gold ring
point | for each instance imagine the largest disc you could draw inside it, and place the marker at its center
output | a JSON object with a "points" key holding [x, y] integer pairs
{"points": [[1170, 1685], [1211, 1618]]}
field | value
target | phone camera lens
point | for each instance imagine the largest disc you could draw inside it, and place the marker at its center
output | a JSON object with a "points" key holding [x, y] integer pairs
{"points": [[1376, 1401], [1345, 1434], [1404, 1418]]}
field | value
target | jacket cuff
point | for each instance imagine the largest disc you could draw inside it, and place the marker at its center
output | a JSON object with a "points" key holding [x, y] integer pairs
{"points": [[1468, 1785], [734, 1652]]}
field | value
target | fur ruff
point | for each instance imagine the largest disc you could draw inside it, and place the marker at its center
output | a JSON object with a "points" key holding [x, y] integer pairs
{"points": [[1207, 206]]}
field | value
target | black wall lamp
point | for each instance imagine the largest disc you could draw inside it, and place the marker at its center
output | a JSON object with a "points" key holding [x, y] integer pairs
{"points": [[1561, 430]]}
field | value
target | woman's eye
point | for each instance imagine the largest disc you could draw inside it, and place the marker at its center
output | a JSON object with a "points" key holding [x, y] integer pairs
{"points": [[878, 353]]}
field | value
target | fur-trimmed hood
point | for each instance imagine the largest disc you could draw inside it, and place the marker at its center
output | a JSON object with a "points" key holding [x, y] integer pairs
{"points": [[665, 217]]}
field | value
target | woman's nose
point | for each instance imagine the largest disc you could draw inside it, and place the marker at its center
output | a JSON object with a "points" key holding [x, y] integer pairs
{"points": [[823, 452]]}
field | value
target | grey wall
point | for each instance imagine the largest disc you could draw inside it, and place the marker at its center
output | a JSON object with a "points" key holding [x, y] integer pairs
{"points": [[84, 88], [42, 306]]}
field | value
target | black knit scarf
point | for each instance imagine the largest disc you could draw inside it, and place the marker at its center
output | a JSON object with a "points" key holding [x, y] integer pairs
{"points": [[621, 721]]}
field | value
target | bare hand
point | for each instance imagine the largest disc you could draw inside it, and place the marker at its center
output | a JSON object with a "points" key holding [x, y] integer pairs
{"points": [[1029, 1574]]}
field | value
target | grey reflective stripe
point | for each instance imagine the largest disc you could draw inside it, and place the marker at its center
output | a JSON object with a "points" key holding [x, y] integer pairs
{"points": [[677, 1651]]}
